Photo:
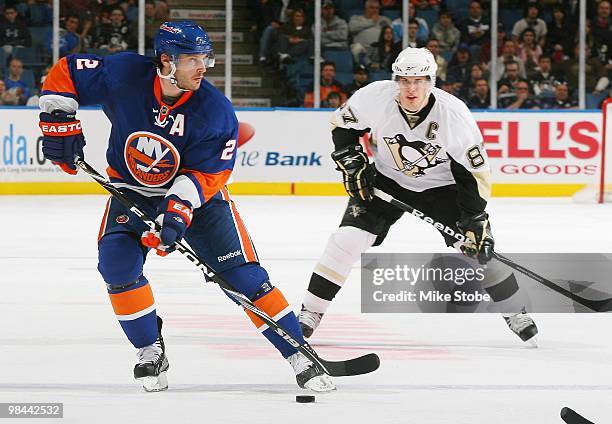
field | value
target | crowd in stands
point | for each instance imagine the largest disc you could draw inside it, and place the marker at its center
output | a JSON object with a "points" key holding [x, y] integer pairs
{"points": [[537, 58], [87, 26]]}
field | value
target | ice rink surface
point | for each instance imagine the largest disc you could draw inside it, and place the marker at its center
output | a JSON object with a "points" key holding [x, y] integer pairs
{"points": [[60, 341]]}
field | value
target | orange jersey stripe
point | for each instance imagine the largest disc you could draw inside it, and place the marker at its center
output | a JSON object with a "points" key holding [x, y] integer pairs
{"points": [[59, 80], [112, 173], [132, 301], [249, 250], [272, 303], [211, 183], [104, 219]]}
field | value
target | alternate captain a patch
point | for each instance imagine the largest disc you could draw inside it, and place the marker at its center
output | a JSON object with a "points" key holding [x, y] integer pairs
{"points": [[151, 159], [413, 157]]}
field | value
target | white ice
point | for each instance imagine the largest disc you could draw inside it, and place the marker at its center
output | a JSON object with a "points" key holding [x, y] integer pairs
{"points": [[60, 341]]}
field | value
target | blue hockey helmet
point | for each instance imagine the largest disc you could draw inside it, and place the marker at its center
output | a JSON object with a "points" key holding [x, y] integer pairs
{"points": [[183, 37]]}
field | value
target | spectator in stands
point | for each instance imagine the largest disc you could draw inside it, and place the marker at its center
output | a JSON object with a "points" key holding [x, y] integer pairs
{"points": [[601, 26], [511, 77], [446, 33], [14, 82], [295, 40], [561, 99], [531, 20], [413, 41], [459, 66], [152, 23], [433, 46], [469, 87], [334, 100], [544, 79], [365, 29], [601, 32], [529, 51], [266, 13], [268, 43], [560, 36], [328, 84], [398, 26], [519, 99], [485, 48], [382, 54], [33, 100], [595, 71], [360, 79], [334, 30], [508, 55], [69, 41], [481, 97], [115, 35], [13, 31], [8, 98], [475, 28]]}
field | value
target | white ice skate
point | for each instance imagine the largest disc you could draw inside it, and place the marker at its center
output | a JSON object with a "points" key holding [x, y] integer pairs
{"points": [[309, 321], [523, 326], [308, 376], [152, 364]]}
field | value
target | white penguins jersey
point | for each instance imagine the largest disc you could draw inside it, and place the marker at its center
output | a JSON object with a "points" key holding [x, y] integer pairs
{"points": [[422, 156]]}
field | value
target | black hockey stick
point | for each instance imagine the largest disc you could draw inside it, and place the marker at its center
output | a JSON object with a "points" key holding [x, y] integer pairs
{"points": [[604, 305], [572, 417], [356, 366]]}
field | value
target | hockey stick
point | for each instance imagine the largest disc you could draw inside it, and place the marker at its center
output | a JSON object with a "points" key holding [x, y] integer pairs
{"points": [[572, 417], [356, 366], [604, 305]]}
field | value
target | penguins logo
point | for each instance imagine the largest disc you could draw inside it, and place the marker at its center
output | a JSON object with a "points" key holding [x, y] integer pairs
{"points": [[413, 157]]}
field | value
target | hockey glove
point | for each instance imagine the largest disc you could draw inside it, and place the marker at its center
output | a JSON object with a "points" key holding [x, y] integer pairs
{"points": [[62, 139], [174, 216], [479, 244], [358, 174]]}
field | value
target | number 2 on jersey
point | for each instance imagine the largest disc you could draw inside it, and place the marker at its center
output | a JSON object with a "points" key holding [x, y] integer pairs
{"points": [[229, 149]]}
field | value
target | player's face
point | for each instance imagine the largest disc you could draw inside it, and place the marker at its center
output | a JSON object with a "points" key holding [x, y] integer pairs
{"points": [[190, 69], [413, 92]]}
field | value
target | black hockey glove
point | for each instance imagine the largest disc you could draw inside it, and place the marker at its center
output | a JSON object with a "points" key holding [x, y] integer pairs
{"points": [[358, 174], [479, 244]]}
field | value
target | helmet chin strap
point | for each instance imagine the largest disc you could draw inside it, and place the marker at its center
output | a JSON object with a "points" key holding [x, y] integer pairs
{"points": [[170, 77]]}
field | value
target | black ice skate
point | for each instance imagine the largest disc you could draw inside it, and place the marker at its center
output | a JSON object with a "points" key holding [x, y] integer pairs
{"points": [[309, 321], [153, 364], [523, 326]]}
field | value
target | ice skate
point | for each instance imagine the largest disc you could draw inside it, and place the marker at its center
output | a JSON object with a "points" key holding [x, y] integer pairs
{"points": [[308, 376], [153, 364], [523, 326], [309, 321]]}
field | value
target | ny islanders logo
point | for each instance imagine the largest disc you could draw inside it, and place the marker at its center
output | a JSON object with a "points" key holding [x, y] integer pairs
{"points": [[151, 159], [413, 157]]}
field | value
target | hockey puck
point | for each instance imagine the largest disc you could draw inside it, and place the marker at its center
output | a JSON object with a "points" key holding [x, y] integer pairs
{"points": [[304, 398]]}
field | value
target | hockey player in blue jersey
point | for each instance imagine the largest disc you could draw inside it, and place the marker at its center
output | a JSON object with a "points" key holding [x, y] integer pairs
{"points": [[171, 150]]}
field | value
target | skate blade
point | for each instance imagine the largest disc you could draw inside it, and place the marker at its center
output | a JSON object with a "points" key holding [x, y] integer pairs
{"points": [[154, 384], [532, 342]]}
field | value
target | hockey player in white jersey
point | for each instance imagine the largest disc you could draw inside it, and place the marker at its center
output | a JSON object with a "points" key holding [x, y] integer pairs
{"points": [[428, 152]]}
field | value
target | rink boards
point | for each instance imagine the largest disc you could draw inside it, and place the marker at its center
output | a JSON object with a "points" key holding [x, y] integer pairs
{"points": [[532, 153]]}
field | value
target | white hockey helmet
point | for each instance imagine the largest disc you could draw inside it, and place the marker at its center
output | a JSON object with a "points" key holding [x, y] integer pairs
{"points": [[413, 62]]}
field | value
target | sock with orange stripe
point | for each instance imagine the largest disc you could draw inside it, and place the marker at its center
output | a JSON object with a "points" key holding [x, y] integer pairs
{"points": [[252, 281], [134, 306]]}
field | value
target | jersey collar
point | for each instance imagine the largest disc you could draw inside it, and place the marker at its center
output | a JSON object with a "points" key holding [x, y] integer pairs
{"points": [[158, 95], [413, 120]]}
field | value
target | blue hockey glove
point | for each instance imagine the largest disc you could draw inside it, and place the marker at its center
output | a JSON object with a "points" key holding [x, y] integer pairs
{"points": [[62, 139], [174, 216]]}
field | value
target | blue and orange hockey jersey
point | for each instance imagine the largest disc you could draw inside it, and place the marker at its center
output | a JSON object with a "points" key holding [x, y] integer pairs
{"points": [[187, 148]]}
